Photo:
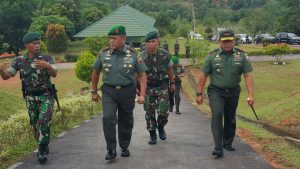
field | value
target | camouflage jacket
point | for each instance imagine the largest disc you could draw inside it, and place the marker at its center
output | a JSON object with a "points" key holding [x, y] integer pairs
{"points": [[33, 79], [157, 65]]}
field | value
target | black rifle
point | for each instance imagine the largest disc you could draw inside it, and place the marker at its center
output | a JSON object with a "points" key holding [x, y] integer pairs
{"points": [[53, 91], [23, 86]]}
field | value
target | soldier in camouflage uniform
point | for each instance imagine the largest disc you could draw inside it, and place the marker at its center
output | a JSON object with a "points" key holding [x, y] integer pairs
{"points": [[35, 71], [166, 46], [176, 48], [159, 64], [225, 66], [179, 72]]}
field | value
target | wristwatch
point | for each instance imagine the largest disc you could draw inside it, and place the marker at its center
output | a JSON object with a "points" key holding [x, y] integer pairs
{"points": [[198, 94], [94, 91]]}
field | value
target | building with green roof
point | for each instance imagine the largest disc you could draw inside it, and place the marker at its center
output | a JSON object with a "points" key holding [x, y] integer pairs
{"points": [[137, 24]]}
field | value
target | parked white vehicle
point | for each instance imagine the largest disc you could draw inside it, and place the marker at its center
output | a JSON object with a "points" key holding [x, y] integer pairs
{"points": [[243, 38]]}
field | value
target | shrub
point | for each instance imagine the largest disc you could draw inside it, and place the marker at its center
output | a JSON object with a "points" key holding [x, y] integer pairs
{"points": [[71, 58], [96, 43], [277, 51], [56, 38], [199, 51], [83, 66]]}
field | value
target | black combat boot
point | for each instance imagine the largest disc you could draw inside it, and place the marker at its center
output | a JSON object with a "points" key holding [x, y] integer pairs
{"points": [[125, 152], [218, 153], [162, 132], [153, 137], [42, 156], [111, 154]]}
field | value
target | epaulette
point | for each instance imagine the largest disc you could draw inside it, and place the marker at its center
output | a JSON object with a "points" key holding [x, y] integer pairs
{"points": [[213, 51]]}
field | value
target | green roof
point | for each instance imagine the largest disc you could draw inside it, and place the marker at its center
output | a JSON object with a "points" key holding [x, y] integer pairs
{"points": [[136, 23]]}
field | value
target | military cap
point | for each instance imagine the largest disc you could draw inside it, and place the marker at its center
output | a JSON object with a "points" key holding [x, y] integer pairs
{"points": [[175, 60], [31, 36], [151, 35], [226, 35], [117, 30]]}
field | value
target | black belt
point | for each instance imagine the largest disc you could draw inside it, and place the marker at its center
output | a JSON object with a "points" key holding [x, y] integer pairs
{"points": [[157, 83], [36, 93], [118, 86], [224, 90]]}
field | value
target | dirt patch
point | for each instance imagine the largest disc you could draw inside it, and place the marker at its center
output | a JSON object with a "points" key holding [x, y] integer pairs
{"points": [[11, 83], [259, 146]]}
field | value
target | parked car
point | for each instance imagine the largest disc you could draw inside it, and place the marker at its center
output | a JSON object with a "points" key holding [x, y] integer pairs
{"points": [[285, 37], [244, 38], [259, 38]]}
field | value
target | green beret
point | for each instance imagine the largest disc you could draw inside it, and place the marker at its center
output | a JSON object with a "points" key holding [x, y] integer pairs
{"points": [[226, 35], [31, 36], [117, 30], [151, 35], [175, 60]]}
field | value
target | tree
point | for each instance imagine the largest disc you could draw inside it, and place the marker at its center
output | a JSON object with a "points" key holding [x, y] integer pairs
{"points": [[91, 15], [56, 38], [83, 66], [290, 20], [15, 19], [40, 24], [208, 33], [262, 22]]}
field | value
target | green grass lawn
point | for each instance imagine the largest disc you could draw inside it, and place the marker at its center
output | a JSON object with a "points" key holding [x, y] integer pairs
{"points": [[277, 95]]}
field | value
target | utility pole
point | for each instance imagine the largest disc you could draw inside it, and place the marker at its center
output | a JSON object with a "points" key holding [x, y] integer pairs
{"points": [[193, 20]]}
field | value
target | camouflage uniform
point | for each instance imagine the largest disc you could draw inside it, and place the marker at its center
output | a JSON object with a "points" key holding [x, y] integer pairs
{"points": [[157, 88], [38, 100], [176, 48], [177, 70]]}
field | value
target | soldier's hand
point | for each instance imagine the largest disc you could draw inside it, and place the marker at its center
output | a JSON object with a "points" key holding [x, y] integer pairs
{"points": [[250, 100], [41, 64], [172, 88], [4, 65], [141, 99], [95, 97], [199, 100]]}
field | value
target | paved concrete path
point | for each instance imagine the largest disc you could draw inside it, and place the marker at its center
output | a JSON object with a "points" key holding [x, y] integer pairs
{"points": [[188, 146]]}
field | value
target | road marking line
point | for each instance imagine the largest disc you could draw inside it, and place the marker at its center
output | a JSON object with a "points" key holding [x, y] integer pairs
{"points": [[76, 126], [62, 134], [15, 165]]}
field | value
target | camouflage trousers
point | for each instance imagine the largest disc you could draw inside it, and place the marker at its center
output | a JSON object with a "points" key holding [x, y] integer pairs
{"points": [[156, 100], [40, 110]]}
